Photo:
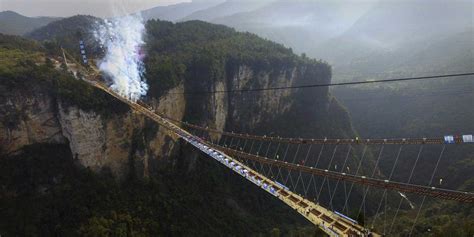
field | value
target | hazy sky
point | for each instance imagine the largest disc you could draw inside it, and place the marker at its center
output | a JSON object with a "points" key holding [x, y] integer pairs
{"points": [[74, 7]]}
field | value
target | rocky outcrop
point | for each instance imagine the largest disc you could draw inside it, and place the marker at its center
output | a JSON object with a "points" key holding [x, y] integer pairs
{"points": [[252, 108], [28, 117], [249, 111], [85, 133], [118, 141], [96, 142]]}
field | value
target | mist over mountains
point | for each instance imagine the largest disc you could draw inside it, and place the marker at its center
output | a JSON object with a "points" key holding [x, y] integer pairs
{"points": [[391, 28], [178, 11], [301, 24], [365, 37], [227, 8], [348, 34]]}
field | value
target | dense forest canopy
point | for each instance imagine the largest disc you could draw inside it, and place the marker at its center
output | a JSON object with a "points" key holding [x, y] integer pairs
{"points": [[174, 48]]}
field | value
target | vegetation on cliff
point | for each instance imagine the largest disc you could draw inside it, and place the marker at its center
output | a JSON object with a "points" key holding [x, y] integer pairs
{"points": [[24, 66], [176, 49], [44, 193], [63, 199]]}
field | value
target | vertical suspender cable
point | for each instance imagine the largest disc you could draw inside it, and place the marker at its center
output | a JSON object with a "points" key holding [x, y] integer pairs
{"points": [[225, 140], [245, 145], [401, 199], [431, 182], [373, 174], [289, 171], [337, 183], [385, 190], [266, 155], [329, 166], [284, 158], [352, 184], [312, 175], [258, 151], [267, 173], [304, 162]]}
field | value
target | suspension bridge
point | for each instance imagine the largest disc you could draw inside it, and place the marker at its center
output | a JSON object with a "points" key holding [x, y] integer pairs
{"points": [[321, 178]]}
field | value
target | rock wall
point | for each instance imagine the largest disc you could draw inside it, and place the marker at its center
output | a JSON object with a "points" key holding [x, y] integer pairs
{"points": [[36, 116], [116, 141], [28, 118], [86, 135], [247, 111]]}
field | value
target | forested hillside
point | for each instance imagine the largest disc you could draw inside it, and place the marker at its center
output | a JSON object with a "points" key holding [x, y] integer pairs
{"points": [[64, 198], [143, 181], [148, 183]]}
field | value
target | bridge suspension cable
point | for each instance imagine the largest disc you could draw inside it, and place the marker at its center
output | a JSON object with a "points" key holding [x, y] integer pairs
{"points": [[409, 179], [372, 176], [430, 182], [362, 180], [332, 84], [329, 221], [370, 141], [384, 195], [326, 220], [331, 191]]}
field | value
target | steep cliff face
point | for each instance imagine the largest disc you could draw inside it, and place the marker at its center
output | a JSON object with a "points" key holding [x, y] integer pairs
{"points": [[247, 111], [254, 109], [38, 116], [183, 61], [27, 117], [120, 141], [86, 135], [97, 141]]}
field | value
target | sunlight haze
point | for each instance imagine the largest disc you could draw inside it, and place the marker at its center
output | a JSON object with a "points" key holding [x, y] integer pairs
{"points": [[64, 8]]}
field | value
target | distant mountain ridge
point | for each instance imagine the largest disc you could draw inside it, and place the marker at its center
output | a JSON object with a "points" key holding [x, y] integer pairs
{"points": [[178, 11], [226, 8], [80, 24], [343, 34], [297, 24], [12, 23], [397, 27]]}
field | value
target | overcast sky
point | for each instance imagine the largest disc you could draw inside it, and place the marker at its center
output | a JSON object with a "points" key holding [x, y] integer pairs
{"points": [[73, 7]]}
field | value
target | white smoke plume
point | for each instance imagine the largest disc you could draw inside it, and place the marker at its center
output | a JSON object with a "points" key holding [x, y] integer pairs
{"points": [[122, 40]]}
